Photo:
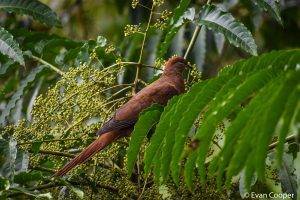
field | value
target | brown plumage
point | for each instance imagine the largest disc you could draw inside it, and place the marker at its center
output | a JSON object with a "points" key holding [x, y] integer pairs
{"points": [[171, 83]]}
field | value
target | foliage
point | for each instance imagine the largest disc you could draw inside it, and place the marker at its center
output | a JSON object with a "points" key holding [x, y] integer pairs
{"points": [[272, 7], [217, 99], [33, 8], [14, 173], [223, 22], [144, 124], [59, 84], [9, 47], [18, 94]]}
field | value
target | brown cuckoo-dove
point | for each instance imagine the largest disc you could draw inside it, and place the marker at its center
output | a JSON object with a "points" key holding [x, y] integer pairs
{"points": [[170, 83]]}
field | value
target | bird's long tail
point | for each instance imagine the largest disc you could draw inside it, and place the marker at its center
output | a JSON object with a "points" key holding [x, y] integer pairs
{"points": [[96, 146]]}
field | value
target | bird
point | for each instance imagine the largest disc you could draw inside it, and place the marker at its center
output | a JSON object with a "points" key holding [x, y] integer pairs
{"points": [[170, 83]]}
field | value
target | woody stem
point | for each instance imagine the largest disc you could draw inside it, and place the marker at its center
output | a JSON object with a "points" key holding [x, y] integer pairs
{"points": [[192, 42], [138, 67], [194, 37], [48, 65]]}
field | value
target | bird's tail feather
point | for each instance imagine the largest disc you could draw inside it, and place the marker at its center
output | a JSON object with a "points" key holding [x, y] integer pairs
{"points": [[96, 146]]}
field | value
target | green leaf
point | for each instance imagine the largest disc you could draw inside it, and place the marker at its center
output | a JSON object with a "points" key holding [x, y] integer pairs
{"points": [[35, 147], [34, 8], [33, 193], [5, 66], [278, 60], [157, 167], [240, 135], [145, 122], [206, 131], [242, 185], [8, 153], [27, 178], [223, 22], [22, 161], [189, 169], [9, 86], [4, 184], [19, 93], [170, 130], [180, 14], [286, 122], [253, 95], [270, 120], [188, 117], [158, 135], [9, 47], [271, 6], [179, 10]]}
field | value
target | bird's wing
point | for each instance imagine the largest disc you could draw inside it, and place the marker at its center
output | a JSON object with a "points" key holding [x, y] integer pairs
{"points": [[115, 125], [158, 92]]}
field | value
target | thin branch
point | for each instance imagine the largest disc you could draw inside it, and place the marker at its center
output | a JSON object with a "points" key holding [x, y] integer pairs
{"points": [[217, 144], [86, 86], [130, 63], [143, 82], [290, 138], [144, 186], [55, 153], [144, 6], [59, 184], [84, 117], [48, 141], [119, 92], [48, 65], [192, 42], [138, 67], [44, 169]]}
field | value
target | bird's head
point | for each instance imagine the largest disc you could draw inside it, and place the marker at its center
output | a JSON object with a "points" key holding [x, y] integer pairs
{"points": [[175, 65]]}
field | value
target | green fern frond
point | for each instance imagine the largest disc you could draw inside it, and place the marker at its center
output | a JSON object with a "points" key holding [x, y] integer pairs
{"points": [[271, 117], [271, 6], [280, 60], [146, 120], [245, 141], [169, 140], [189, 170], [159, 135], [236, 33], [189, 115], [4, 67], [238, 127], [157, 167], [206, 131], [19, 93], [286, 120], [9, 47], [260, 91], [34, 8]]}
